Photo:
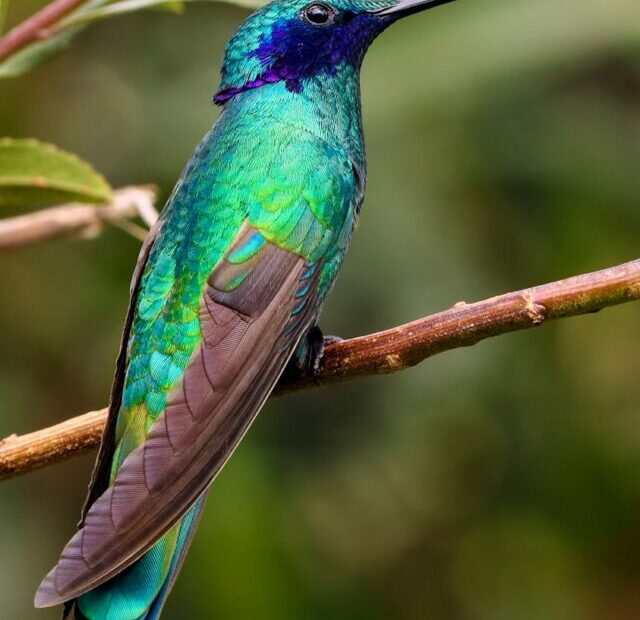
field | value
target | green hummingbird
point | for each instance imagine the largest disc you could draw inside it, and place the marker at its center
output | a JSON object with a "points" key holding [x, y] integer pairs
{"points": [[227, 291]]}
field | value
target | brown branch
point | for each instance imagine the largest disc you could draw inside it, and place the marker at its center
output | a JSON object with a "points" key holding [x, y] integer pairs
{"points": [[380, 353], [77, 220], [20, 454], [37, 27]]}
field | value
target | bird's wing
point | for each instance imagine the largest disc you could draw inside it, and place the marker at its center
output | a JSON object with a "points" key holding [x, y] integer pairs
{"points": [[100, 476], [257, 303]]}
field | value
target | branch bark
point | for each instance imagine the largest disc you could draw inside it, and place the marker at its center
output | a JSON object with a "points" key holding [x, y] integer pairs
{"points": [[380, 353], [78, 220], [36, 27]]}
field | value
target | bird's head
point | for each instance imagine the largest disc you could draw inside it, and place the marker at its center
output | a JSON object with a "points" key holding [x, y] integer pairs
{"points": [[291, 41]]}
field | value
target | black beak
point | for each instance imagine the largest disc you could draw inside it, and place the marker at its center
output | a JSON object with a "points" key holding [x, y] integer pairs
{"points": [[408, 7]]}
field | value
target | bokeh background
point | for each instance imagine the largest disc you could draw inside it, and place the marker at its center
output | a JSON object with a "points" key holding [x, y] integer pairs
{"points": [[500, 482]]}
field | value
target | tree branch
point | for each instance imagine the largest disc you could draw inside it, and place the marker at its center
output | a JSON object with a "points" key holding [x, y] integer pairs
{"points": [[79, 220], [36, 27], [380, 353]]}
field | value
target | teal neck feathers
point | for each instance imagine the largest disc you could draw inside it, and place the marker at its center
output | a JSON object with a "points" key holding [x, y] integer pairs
{"points": [[327, 109]]}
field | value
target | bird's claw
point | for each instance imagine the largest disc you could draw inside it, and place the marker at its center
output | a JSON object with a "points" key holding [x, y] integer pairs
{"points": [[319, 354], [308, 356]]}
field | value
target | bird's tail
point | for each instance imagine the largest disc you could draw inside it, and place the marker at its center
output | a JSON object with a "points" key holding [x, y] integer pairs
{"points": [[140, 591]]}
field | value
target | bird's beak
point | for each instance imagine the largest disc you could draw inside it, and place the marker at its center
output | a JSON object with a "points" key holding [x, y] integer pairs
{"points": [[408, 7]]}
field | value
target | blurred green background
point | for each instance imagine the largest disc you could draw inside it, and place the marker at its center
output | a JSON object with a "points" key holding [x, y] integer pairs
{"points": [[500, 482]]}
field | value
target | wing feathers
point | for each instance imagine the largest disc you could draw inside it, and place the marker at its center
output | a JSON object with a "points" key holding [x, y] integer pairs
{"points": [[100, 476], [249, 332]]}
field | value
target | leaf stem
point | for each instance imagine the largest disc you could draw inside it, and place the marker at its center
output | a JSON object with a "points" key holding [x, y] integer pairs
{"points": [[36, 27]]}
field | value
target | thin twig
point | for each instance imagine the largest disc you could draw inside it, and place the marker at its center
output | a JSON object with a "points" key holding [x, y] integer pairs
{"points": [[22, 454], [77, 220], [380, 353], [36, 27]]}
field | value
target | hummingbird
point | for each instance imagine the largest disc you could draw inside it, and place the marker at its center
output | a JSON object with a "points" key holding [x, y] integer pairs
{"points": [[225, 295]]}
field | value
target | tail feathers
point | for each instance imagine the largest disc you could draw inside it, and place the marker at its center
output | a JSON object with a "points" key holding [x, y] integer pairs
{"points": [[77, 614], [187, 530], [141, 590]]}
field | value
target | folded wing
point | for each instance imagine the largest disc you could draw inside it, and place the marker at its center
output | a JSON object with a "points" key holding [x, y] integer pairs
{"points": [[256, 305]]}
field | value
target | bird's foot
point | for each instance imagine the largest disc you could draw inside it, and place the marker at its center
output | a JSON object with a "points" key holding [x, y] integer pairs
{"points": [[310, 351]]}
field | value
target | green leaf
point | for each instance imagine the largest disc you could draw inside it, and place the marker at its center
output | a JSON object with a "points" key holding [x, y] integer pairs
{"points": [[130, 6], [36, 53], [36, 174], [94, 10], [121, 8]]}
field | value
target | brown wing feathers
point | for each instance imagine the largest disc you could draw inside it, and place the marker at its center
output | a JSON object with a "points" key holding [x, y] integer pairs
{"points": [[249, 333]]}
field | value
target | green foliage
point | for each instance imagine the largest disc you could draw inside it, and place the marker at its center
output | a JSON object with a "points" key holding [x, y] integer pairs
{"points": [[122, 8], [66, 29], [36, 174], [131, 6], [31, 56]]}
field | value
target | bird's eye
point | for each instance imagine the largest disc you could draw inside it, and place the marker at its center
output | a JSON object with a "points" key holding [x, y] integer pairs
{"points": [[319, 14]]}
